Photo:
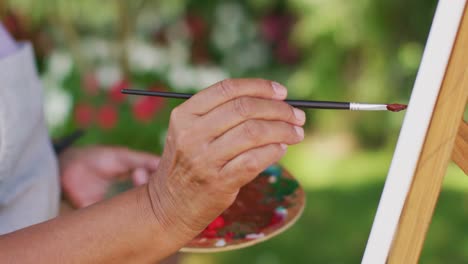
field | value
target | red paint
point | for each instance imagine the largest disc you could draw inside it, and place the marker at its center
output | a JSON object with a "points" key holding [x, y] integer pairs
{"points": [[217, 223], [259, 209], [276, 219], [229, 236], [396, 107], [251, 213], [209, 233]]}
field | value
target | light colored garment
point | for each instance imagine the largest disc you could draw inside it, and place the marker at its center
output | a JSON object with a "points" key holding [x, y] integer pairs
{"points": [[29, 183], [7, 44]]}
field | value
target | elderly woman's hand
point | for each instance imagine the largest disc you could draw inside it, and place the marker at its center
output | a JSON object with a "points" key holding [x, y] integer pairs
{"points": [[88, 172], [217, 142]]}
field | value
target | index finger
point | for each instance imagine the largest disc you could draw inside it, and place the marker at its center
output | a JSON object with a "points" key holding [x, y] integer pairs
{"points": [[229, 89], [135, 159]]}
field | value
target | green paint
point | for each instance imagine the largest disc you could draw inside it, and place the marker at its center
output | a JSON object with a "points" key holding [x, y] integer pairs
{"points": [[274, 170], [283, 187]]}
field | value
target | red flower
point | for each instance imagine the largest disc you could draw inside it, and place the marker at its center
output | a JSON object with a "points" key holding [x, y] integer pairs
{"points": [[287, 53], [199, 53], [83, 115], [90, 83], [197, 26], [145, 108], [115, 91], [107, 117], [217, 223]]}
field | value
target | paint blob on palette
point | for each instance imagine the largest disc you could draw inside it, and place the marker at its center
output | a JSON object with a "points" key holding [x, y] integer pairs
{"points": [[265, 207]]}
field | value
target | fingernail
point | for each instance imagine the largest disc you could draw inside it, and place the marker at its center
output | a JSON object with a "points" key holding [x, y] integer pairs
{"points": [[280, 91], [300, 115], [283, 146], [140, 177], [299, 131]]}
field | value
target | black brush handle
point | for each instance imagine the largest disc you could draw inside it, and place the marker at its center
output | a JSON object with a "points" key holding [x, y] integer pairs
{"points": [[62, 144], [295, 103], [318, 104]]}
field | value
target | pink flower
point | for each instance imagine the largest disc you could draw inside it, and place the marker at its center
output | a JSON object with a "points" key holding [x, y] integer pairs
{"points": [[276, 27], [107, 117], [83, 115], [286, 53], [114, 92], [146, 107]]}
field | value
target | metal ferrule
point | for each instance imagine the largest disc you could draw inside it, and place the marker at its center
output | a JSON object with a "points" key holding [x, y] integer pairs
{"points": [[367, 107]]}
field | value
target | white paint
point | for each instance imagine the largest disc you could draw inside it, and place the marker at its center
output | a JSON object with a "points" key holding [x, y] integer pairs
{"points": [[272, 179], [254, 236], [281, 211], [220, 243], [414, 129]]}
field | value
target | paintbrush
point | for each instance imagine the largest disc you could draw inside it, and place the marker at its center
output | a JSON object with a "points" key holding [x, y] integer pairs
{"points": [[295, 103], [60, 145]]}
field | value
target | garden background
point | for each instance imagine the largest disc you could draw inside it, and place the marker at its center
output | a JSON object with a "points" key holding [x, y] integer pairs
{"points": [[362, 50]]}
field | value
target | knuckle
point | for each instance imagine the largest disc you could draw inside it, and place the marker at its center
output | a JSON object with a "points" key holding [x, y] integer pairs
{"points": [[294, 134], [183, 139], [200, 175], [242, 107], [251, 165], [226, 88], [252, 130], [175, 115], [290, 115], [278, 152], [265, 85]]}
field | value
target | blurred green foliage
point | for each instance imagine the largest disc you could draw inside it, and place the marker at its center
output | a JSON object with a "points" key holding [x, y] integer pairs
{"points": [[361, 50]]}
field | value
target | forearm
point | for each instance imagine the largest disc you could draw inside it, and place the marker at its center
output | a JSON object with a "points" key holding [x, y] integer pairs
{"points": [[123, 229]]}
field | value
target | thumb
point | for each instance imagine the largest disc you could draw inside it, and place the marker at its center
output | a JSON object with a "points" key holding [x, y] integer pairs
{"points": [[140, 176]]}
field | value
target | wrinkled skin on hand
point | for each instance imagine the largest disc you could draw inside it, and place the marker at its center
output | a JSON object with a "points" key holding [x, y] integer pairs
{"points": [[218, 141]]}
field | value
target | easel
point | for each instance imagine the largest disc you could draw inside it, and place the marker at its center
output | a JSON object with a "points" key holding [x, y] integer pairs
{"points": [[447, 138]]}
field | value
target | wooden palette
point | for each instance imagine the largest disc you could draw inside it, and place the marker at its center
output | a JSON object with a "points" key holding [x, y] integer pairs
{"points": [[264, 208]]}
